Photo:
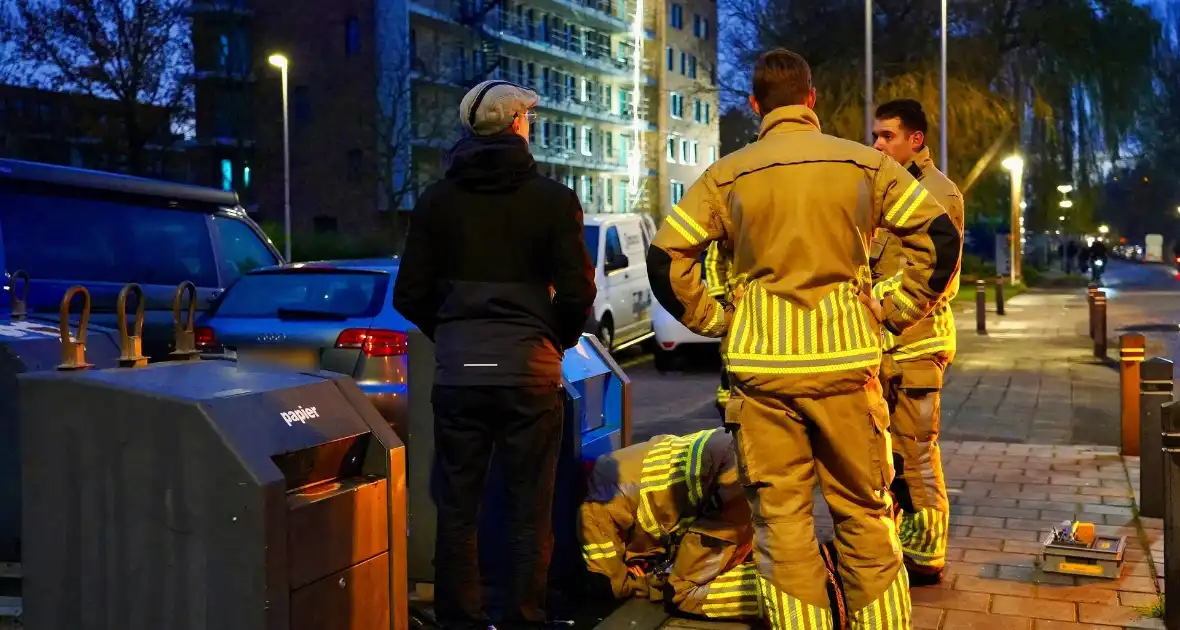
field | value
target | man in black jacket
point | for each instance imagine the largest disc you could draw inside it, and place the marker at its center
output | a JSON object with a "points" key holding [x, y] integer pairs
{"points": [[497, 274]]}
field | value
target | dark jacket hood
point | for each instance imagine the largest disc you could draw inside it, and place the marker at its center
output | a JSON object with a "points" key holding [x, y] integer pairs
{"points": [[496, 163]]}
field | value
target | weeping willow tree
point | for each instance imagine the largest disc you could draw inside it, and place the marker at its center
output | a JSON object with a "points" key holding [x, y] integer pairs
{"points": [[1057, 80]]}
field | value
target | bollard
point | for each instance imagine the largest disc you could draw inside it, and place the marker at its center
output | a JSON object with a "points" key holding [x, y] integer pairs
{"points": [[1130, 358], [1155, 389], [999, 295], [1171, 472], [980, 307], [1100, 325], [1090, 290]]}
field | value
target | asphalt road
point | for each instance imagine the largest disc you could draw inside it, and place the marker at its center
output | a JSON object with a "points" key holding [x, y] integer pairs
{"points": [[678, 401], [1145, 299]]}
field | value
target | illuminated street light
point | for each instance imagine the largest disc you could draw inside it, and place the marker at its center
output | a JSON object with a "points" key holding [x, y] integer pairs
{"points": [[280, 62], [1061, 218], [1102, 229], [1065, 189], [1066, 203], [1014, 164]]}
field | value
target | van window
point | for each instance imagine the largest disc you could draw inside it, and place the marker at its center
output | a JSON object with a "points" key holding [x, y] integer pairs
{"points": [[613, 246], [591, 233], [66, 238], [242, 250]]}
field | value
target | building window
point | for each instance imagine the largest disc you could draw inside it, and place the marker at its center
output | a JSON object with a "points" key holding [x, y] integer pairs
{"points": [[694, 156], [571, 140], [671, 57], [692, 66], [587, 190], [683, 63], [683, 151], [608, 144], [623, 196], [354, 166], [545, 134], [323, 224], [705, 117], [700, 26], [352, 37], [587, 141], [676, 104], [712, 154], [672, 149], [677, 191], [676, 16], [223, 52], [696, 110], [227, 175], [608, 190]]}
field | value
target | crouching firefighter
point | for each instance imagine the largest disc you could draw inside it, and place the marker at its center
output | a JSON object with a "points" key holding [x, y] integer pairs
{"points": [[667, 520], [914, 362]]}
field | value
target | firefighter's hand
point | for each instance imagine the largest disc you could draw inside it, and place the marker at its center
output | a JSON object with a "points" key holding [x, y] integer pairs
{"points": [[875, 307], [636, 570]]}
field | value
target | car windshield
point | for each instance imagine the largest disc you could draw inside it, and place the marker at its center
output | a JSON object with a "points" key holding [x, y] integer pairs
{"points": [[592, 243], [306, 295]]}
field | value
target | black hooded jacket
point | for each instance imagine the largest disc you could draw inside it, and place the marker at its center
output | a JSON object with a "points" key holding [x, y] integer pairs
{"points": [[496, 270]]}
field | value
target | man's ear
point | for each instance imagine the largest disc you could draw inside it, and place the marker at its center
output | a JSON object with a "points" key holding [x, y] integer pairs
{"points": [[917, 140], [515, 126], [810, 102], [754, 106]]}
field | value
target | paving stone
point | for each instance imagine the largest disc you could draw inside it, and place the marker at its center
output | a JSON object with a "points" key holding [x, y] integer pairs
{"points": [[1035, 608]]}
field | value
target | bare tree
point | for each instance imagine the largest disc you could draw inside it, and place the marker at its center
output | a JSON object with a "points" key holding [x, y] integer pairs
{"points": [[10, 65], [136, 52]]}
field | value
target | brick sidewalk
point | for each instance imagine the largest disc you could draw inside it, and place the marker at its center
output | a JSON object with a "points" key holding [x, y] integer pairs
{"points": [[1027, 393]]}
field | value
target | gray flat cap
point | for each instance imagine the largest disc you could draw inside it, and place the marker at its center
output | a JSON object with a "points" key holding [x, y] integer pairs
{"points": [[490, 106]]}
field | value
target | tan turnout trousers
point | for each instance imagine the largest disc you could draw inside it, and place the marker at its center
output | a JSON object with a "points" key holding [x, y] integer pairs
{"points": [[841, 441]]}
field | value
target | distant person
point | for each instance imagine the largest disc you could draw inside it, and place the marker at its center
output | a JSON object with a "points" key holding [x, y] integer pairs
{"points": [[1083, 259], [915, 362], [497, 274], [1097, 251], [1071, 252]]}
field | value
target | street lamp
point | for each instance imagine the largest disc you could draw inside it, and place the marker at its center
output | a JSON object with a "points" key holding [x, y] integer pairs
{"points": [[1102, 229], [280, 62], [1065, 203], [1065, 189], [943, 123], [1061, 218], [1014, 164], [869, 72]]}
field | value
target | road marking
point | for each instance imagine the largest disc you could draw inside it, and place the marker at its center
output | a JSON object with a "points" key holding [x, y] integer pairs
{"points": [[637, 361]]}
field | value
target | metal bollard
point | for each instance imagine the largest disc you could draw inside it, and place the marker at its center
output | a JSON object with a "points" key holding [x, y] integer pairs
{"points": [[999, 295], [1130, 358], [1090, 290], [1155, 389], [1171, 472], [980, 307], [1100, 325]]}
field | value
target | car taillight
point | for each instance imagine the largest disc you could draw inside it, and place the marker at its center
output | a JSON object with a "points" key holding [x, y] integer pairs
{"points": [[373, 342], [204, 338]]}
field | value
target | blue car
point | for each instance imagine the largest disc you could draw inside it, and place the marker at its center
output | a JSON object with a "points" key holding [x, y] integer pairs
{"points": [[65, 226], [334, 315]]}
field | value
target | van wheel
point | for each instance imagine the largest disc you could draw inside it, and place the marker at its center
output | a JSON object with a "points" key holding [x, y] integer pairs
{"points": [[606, 333]]}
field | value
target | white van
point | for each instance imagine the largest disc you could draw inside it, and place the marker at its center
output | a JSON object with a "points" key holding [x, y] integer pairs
{"points": [[671, 335], [618, 248]]}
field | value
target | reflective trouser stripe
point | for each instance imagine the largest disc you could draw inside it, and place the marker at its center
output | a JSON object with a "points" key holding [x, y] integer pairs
{"points": [[787, 613], [890, 611], [733, 594], [924, 536]]}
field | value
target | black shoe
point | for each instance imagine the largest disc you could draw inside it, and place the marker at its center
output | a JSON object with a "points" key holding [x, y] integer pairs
{"points": [[923, 576]]}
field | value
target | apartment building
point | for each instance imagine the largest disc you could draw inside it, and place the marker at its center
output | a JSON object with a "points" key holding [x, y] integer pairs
{"points": [[84, 131], [375, 87]]}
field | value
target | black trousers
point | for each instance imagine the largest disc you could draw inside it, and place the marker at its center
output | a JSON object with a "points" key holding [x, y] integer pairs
{"points": [[523, 425]]}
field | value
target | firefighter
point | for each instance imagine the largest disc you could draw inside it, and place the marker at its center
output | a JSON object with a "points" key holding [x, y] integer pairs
{"points": [[802, 344], [914, 363], [667, 520]]}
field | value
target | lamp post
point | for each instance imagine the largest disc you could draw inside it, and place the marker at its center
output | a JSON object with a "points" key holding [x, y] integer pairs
{"points": [[1014, 164], [869, 72], [280, 62], [944, 124]]}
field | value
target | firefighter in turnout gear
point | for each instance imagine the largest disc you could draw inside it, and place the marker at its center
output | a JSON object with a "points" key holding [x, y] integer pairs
{"points": [[667, 519], [672, 500], [914, 363], [802, 343]]}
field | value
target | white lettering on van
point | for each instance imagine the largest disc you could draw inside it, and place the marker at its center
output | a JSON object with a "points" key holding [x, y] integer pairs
{"points": [[300, 414]]}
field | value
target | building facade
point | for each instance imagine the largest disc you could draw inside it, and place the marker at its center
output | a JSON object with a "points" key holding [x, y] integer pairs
{"points": [[87, 132], [627, 118]]}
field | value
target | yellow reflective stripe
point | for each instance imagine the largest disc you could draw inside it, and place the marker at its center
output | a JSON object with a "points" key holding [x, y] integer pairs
{"points": [[599, 555], [913, 206], [689, 223], [891, 611], [711, 276], [900, 201]]}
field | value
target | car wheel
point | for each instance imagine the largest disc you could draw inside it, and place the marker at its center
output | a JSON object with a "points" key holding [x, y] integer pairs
{"points": [[606, 334]]}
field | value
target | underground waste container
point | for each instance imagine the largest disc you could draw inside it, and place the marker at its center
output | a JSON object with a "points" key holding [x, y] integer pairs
{"points": [[210, 494], [34, 344], [597, 419]]}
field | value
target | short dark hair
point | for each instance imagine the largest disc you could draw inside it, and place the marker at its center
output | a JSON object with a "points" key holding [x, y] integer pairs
{"points": [[908, 111], [781, 78]]}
